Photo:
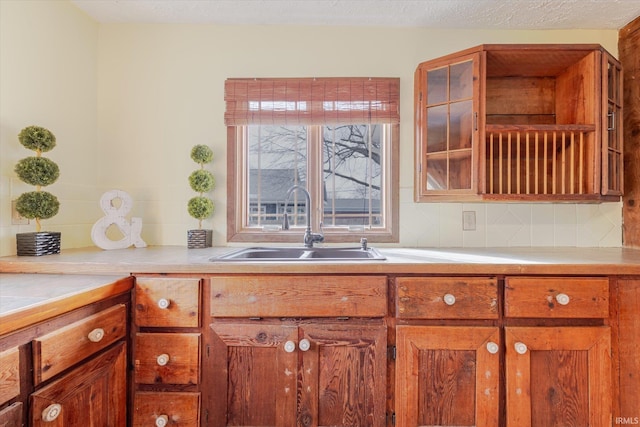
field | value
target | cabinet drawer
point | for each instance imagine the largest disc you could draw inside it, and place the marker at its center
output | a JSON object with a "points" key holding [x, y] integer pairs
{"points": [[298, 296], [60, 349], [175, 408], [446, 298], [167, 302], [11, 416], [167, 358], [557, 297], [9, 374]]}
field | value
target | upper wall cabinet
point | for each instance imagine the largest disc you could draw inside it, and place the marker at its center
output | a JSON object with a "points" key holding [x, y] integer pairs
{"points": [[519, 123]]}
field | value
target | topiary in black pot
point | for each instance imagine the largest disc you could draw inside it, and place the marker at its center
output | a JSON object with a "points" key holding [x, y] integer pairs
{"points": [[201, 207], [40, 172]]}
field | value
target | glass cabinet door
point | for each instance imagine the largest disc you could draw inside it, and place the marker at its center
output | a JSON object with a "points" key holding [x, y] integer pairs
{"points": [[447, 126], [612, 135]]}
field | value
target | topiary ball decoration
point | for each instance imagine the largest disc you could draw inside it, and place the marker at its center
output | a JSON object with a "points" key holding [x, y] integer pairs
{"points": [[202, 181], [200, 207], [37, 204], [38, 171], [201, 154], [37, 138]]}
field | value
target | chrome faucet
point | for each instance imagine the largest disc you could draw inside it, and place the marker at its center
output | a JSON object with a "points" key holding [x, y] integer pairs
{"points": [[309, 237]]}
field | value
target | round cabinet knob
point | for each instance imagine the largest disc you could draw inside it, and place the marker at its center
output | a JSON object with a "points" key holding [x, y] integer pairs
{"points": [[162, 421], [304, 344], [164, 303], [492, 347], [563, 299], [521, 348], [289, 346], [163, 359], [96, 335], [51, 412], [449, 299]]}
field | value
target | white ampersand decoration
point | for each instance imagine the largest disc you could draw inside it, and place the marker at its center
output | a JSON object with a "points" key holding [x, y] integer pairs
{"points": [[116, 216]]}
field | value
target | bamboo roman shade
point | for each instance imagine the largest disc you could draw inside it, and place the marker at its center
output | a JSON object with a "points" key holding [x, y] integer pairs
{"points": [[311, 101]]}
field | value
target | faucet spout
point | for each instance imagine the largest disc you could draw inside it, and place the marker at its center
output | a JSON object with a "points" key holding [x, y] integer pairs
{"points": [[309, 237]]}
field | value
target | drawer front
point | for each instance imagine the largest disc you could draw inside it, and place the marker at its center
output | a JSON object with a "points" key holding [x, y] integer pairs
{"points": [[11, 416], [557, 297], [446, 298], [165, 302], [298, 296], [174, 409], [9, 374], [58, 350], [167, 358]]}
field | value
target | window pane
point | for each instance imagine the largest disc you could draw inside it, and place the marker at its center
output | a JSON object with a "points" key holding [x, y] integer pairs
{"points": [[352, 175], [437, 85], [276, 160], [437, 128]]}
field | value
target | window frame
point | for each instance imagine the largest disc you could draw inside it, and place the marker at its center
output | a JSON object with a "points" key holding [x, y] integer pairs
{"points": [[237, 190]]}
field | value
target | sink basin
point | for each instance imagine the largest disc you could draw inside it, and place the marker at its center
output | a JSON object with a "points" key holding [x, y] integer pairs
{"points": [[300, 254]]}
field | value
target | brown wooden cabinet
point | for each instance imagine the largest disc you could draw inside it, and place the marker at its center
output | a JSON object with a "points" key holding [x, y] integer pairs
{"points": [[318, 366], [167, 351], [92, 394], [544, 345], [519, 122], [69, 370]]}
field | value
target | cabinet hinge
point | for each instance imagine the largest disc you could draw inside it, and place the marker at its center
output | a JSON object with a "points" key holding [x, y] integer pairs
{"points": [[391, 418], [391, 352], [420, 96]]}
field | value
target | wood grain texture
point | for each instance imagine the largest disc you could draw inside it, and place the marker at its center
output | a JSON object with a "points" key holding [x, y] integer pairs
{"points": [[183, 351], [181, 294], [61, 349], [182, 409], [297, 296], [11, 416], [9, 374], [423, 298], [536, 297], [94, 394], [628, 47], [583, 352], [628, 345], [425, 396]]}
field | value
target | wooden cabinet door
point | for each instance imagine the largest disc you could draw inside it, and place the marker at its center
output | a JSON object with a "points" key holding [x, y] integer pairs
{"points": [[343, 374], [558, 376], [447, 128], [91, 395], [447, 375], [255, 375], [612, 133]]}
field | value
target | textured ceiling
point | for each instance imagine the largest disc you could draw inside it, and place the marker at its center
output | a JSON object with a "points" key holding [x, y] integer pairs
{"points": [[472, 14]]}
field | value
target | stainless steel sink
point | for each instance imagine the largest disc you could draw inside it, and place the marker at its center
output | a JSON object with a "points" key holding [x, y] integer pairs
{"points": [[300, 254]]}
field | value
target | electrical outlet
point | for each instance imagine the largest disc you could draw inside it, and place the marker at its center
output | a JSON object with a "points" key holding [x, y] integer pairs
{"points": [[16, 218], [468, 220]]}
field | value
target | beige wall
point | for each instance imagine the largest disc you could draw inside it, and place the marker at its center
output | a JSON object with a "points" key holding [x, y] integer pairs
{"points": [[48, 77], [159, 91]]}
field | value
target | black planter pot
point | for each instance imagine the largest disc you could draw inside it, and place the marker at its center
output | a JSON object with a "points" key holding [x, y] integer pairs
{"points": [[38, 243], [198, 239]]}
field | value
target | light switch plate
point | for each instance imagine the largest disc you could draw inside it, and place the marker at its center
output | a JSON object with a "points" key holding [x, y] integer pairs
{"points": [[468, 220], [16, 218]]}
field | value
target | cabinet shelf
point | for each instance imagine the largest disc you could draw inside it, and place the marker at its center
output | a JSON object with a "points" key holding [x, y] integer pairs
{"points": [[519, 123]]}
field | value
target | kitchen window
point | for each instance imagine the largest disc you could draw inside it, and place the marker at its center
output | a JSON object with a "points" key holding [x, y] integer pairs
{"points": [[336, 137]]}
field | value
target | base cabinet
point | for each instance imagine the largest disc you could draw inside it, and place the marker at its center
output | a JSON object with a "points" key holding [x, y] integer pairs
{"points": [[558, 376], [447, 376], [305, 374], [90, 395]]}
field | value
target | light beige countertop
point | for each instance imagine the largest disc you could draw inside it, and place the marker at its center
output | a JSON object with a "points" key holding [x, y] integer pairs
{"points": [[488, 261], [26, 299]]}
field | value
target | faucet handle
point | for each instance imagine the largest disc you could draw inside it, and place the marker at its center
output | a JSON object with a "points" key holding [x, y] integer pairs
{"points": [[363, 243]]}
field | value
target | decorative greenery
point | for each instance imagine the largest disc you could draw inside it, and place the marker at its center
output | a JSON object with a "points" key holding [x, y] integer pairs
{"points": [[37, 171], [37, 138], [37, 204], [201, 181]]}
